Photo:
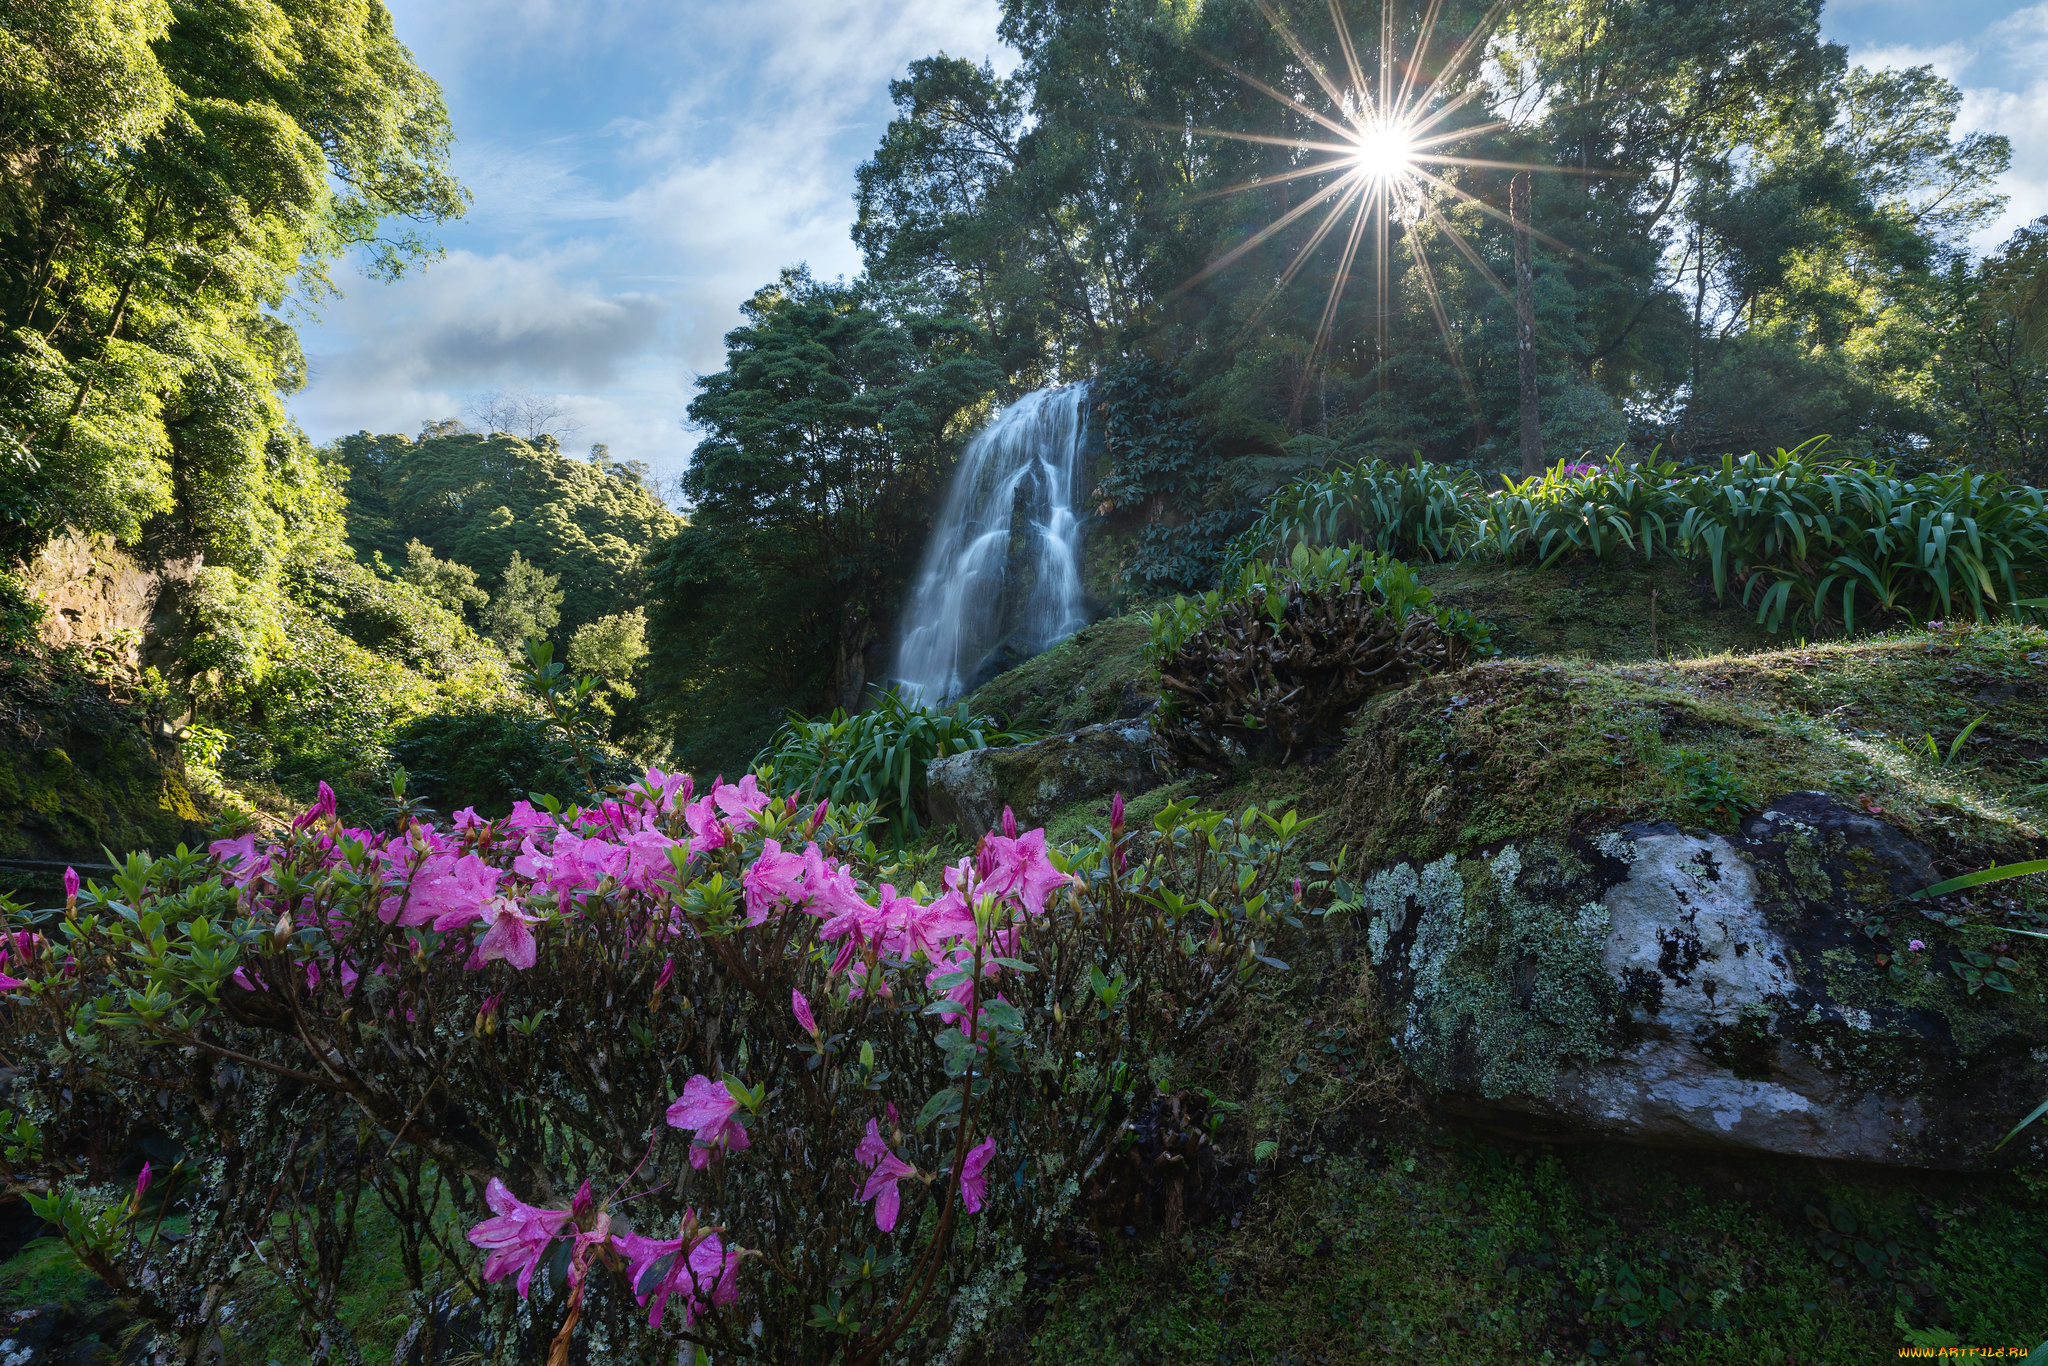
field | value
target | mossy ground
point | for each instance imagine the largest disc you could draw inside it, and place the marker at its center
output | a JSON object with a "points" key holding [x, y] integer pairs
{"points": [[1447, 1246], [1599, 611]]}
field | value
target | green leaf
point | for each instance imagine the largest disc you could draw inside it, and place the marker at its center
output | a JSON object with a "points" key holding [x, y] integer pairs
{"points": [[2000, 873], [946, 1102], [1265, 1149]]}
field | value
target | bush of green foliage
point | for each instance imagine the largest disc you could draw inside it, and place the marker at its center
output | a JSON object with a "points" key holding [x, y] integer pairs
{"points": [[1802, 539]]}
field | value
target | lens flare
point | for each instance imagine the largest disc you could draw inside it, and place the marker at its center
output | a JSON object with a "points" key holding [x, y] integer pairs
{"points": [[1387, 158]]}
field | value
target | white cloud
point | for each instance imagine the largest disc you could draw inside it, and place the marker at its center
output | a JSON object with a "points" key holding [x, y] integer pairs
{"points": [[638, 169], [2003, 73]]}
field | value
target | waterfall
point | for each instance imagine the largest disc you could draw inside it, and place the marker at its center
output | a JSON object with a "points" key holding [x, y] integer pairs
{"points": [[1009, 531]]}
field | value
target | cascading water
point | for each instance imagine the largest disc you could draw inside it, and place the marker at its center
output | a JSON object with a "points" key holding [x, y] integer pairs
{"points": [[1009, 529]]}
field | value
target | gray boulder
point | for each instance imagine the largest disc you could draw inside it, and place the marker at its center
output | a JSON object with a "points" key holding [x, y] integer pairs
{"points": [[1678, 986], [970, 790]]}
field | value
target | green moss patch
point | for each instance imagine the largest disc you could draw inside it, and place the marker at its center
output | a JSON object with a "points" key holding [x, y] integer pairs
{"points": [[1097, 674], [1598, 611], [1516, 748]]}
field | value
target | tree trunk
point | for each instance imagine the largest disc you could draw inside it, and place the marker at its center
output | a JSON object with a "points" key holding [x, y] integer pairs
{"points": [[1525, 325], [850, 678]]}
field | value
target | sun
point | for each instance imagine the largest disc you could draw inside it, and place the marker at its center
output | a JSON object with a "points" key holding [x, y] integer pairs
{"points": [[1385, 151]]}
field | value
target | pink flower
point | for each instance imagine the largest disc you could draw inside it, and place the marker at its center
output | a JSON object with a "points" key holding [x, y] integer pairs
{"points": [[667, 973], [874, 1147], [1009, 824], [467, 819], [1916, 946], [141, 1185], [517, 1239], [70, 885], [525, 816], [974, 1175], [240, 863], [802, 1010], [446, 892], [739, 802], [775, 879], [881, 1188], [708, 1108], [707, 832], [704, 1277], [1116, 812], [510, 936], [1019, 867], [322, 809]]}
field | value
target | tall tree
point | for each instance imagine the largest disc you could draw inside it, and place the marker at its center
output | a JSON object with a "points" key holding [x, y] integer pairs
{"points": [[172, 172], [826, 441]]}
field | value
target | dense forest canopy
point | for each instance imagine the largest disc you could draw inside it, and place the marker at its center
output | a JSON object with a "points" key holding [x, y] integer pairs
{"points": [[478, 500]]}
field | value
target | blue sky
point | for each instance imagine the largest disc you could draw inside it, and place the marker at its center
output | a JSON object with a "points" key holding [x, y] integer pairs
{"points": [[640, 166]]}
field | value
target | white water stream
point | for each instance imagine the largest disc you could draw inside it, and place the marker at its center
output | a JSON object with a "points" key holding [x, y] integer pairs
{"points": [[1009, 528]]}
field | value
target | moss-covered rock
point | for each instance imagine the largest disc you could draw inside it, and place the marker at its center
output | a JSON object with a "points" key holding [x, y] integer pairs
{"points": [[969, 791], [1097, 674], [81, 771], [1595, 916]]}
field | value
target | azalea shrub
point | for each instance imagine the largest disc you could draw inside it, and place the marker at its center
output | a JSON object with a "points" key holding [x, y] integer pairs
{"points": [[679, 1071]]}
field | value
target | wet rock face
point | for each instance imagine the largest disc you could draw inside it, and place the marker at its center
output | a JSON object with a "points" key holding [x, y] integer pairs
{"points": [[970, 790], [1687, 987]]}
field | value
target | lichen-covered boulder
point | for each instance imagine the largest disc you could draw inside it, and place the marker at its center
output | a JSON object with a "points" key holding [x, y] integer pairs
{"points": [[970, 790], [1678, 986]]}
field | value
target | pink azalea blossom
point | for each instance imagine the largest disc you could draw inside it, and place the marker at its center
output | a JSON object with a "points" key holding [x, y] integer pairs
{"points": [[667, 973], [740, 802], [802, 1010], [707, 831], [322, 809], [974, 1175], [70, 885], [775, 879], [526, 816], [447, 892], [1020, 868], [881, 1188], [703, 1278], [510, 936], [517, 1238], [831, 894], [873, 1148], [241, 864], [467, 819], [142, 1185], [1116, 811], [708, 1108], [1009, 823]]}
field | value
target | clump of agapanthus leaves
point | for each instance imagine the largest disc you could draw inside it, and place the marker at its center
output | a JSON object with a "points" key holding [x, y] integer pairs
{"points": [[673, 1067]]}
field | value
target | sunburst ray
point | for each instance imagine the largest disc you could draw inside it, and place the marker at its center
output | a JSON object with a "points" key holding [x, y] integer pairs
{"points": [[1390, 164]]}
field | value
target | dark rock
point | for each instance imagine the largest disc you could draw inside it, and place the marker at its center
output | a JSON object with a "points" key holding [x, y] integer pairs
{"points": [[1679, 986], [969, 791]]}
